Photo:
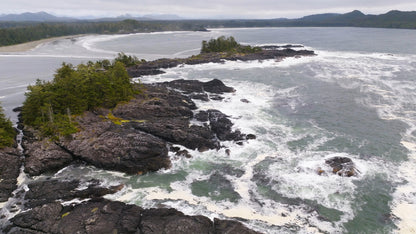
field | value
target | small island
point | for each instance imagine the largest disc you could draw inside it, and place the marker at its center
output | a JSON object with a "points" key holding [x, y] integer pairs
{"points": [[94, 114]]}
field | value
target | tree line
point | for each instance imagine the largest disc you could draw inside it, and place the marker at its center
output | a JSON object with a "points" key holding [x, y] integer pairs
{"points": [[21, 33]]}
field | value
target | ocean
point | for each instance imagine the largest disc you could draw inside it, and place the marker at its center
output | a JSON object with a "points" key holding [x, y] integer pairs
{"points": [[356, 98]]}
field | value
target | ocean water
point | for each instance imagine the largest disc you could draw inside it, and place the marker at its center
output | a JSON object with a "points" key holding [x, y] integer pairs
{"points": [[355, 99]]}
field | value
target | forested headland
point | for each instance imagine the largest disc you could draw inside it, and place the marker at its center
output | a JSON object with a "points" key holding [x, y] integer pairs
{"points": [[51, 106]]}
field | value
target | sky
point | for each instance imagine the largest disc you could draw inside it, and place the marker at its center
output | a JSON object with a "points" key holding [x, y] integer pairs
{"points": [[259, 9]]}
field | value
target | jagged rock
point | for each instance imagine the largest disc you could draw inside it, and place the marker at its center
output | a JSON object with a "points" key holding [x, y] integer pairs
{"points": [[44, 156], [230, 226], [104, 216], [50, 190], [195, 86], [222, 126], [342, 166], [116, 147], [171, 221], [9, 171]]}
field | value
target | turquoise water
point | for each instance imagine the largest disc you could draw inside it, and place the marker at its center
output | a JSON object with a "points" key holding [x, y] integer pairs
{"points": [[355, 99]]}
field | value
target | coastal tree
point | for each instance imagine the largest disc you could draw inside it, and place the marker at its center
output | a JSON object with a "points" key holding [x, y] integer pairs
{"points": [[7, 132], [50, 105]]}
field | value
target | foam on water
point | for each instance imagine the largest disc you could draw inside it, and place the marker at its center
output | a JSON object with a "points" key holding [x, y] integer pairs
{"points": [[295, 171], [380, 74]]}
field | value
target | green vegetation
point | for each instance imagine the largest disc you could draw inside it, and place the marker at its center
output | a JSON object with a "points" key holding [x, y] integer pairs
{"points": [[16, 33], [7, 133], [50, 106], [223, 44], [128, 60]]}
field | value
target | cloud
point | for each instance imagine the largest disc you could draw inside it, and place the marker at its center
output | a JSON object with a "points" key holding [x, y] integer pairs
{"points": [[204, 8]]}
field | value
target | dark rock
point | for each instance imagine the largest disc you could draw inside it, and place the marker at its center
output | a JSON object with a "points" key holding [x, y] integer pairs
{"points": [[251, 137], [230, 226], [244, 100], [202, 116], [9, 171], [179, 131], [44, 156], [97, 216], [221, 126], [171, 221], [47, 191], [157, 102], [216, 97], [342, 166], [184, 153], [217, 86], [195, 86], [116, 147], [18, 109], [199, 96]]}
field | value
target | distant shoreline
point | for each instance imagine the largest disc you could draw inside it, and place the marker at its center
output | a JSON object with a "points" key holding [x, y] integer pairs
{"points": [[33, 44]]}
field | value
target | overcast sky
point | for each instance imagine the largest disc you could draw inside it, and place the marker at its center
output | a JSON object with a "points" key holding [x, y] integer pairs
{"points": [[204, 8]]}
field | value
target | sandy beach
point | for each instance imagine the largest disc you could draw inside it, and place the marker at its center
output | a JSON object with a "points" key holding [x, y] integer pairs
{"points": [[31, 45]]}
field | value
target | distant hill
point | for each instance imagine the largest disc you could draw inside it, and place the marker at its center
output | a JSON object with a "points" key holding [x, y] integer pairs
{"points": [[46, 17], [35, 17]]}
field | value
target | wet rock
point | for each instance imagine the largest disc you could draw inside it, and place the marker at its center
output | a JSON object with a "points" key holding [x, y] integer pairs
{"points": [[9, 171], [44, 156], [195, 86], [97, 216], [244, 100], [230, 226], [251, 137], [202, 116], [48, 191], [184, 153], [342, 166], [222, 126], [171, 221]]}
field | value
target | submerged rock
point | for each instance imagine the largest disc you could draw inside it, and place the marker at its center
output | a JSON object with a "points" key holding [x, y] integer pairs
{"points": [[9, 171]]}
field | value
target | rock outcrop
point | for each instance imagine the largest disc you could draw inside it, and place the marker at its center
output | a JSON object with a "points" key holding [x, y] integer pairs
{"points": [[44, 212], [134, 136], [268, 52], [342, 166], [9, 171]]}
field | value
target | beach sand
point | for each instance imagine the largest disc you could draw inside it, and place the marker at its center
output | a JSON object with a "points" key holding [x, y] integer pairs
{"points": [[33, 44]]}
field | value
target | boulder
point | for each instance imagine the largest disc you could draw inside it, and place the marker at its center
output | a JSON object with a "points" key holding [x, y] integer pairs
{"points": [[9, 171], [195, 86], [44, 156], [342, 166]]}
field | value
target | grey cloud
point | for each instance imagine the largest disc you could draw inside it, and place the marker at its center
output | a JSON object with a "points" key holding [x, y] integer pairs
{"points": [[204, 8]]}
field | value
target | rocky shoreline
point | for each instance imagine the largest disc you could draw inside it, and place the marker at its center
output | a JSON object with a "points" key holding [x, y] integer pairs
{"points": [[135, 138], [267, 52]]}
